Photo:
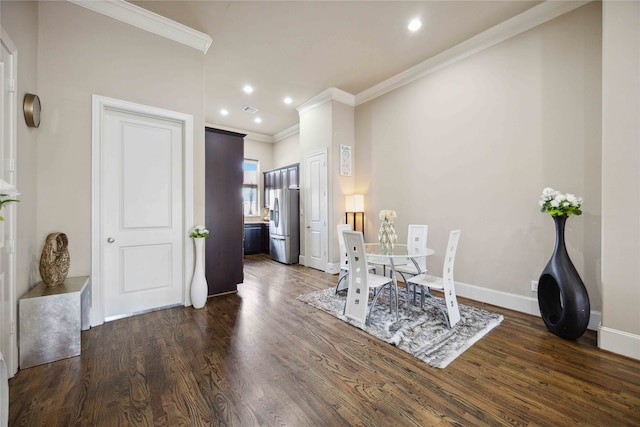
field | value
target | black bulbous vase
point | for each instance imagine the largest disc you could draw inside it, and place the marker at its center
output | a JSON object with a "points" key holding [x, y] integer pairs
{"points": [[562, 296]]}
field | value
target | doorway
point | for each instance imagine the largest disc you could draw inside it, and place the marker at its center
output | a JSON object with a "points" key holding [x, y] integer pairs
{"points": [[315, 202], [142, 199]]}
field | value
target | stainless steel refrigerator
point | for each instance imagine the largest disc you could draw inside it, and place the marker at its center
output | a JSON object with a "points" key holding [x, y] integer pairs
{"points": [[284, 225]]}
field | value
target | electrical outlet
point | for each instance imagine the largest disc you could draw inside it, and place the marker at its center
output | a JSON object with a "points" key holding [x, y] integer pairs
{"points": [[534, 286]]}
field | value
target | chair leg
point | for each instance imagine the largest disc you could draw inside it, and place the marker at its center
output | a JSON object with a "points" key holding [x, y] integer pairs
{"points": [[408, 287], [442, 309], [375, 298], [444, 313], [343, 276]]}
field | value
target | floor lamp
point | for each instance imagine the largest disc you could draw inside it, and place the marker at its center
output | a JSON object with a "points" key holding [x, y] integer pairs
{"points": [[354, 204]]}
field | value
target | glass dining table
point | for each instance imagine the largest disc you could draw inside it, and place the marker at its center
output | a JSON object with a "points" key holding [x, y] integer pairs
{"points": [[397, 256]]}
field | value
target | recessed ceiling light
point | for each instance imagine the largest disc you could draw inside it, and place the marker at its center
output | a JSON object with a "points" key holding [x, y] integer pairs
{"points": [[288, 100], [257, 120], [247, 89], [415, 24], [224, 112]]}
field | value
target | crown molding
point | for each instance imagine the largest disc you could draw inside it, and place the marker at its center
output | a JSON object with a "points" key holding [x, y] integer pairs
{"points": [[528, 19], [148, 21], [261, 137], [286, 133], [331, 94]]}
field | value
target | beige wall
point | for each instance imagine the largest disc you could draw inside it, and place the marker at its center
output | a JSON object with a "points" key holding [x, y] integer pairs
{"points": [[263, 153], [620, 330], [81, 53], [471, 146], [20, 21], [343, 134], [326, 127], [286, 151], [315, 135]]}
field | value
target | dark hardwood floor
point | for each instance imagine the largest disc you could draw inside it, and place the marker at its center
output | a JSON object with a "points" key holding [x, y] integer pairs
{"points": [[260, 357]]}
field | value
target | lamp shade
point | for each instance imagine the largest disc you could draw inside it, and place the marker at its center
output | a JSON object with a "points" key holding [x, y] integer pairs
{"points": [[354, 203]]}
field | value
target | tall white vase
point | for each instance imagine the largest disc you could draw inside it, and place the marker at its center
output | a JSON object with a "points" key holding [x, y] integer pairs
{"points": [[199, 286]]}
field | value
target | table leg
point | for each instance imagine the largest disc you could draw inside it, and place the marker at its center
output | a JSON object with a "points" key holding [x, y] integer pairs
{"points": [[395, 286], [415, 263]]}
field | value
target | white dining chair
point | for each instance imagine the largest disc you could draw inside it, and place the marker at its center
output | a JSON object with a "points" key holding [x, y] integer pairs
{"points": [[361, 282], [344, 257], [343, 279], [416, 243], [445, 284]]}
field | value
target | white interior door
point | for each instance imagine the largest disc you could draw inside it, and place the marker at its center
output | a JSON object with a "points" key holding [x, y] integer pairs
{"points": [[142, 213], [316, 210]]}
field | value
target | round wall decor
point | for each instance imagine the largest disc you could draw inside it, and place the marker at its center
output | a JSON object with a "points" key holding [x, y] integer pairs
{"points": [[32, 107]]}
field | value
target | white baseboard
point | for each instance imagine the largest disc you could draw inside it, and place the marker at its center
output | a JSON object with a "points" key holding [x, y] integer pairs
{"points": [[619, 342], [523, 304], [514, 302], [332, 268]]}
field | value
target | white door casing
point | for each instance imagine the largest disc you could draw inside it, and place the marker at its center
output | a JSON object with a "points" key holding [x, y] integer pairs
{"points": [[142, 166], [316, 210], [8, 172]]}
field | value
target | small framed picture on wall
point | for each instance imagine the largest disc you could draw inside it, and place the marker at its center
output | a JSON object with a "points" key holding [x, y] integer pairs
{"points": [[345, 160]]}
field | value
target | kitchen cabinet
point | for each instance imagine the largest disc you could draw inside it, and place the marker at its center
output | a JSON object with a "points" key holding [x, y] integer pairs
{"points": [[224, 252], [292, 177], [276, 179], [256, 238]]}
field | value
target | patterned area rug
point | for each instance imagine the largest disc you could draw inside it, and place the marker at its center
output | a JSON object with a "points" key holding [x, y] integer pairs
{"points": [[423, 332]]}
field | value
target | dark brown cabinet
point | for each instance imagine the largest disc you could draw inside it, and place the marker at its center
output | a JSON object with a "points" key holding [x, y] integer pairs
{"points": [[285, 177], [292, 177], [224, 153], [256, 238]]}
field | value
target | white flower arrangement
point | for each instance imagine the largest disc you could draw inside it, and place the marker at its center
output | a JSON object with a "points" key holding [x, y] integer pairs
{"points": [[387, 215], [557, 204], [198, 232], [8, 192]]}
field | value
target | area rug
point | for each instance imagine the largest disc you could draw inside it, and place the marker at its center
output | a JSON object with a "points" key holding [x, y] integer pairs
{"points": [[422, 332]]}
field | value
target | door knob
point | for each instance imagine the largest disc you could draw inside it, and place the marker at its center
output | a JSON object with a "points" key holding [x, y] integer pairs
{"points": [[111, 240]]}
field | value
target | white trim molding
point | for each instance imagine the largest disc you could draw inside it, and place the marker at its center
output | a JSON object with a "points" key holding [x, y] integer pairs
{"points": [[333, 268], [531, 18], [100, 105], [261, 137], [331, 94], [619, 342], [148, 21], [523, 304], [287, 133], [10, 157]]}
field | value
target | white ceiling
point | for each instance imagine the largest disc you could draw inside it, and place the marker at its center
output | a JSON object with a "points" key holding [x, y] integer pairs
{"points": [[301, 48]]}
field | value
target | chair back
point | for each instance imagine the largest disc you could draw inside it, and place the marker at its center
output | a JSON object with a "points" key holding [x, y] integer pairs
{"points": [[447, 278], [417, 242], [344, 257], [358, 294]]}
